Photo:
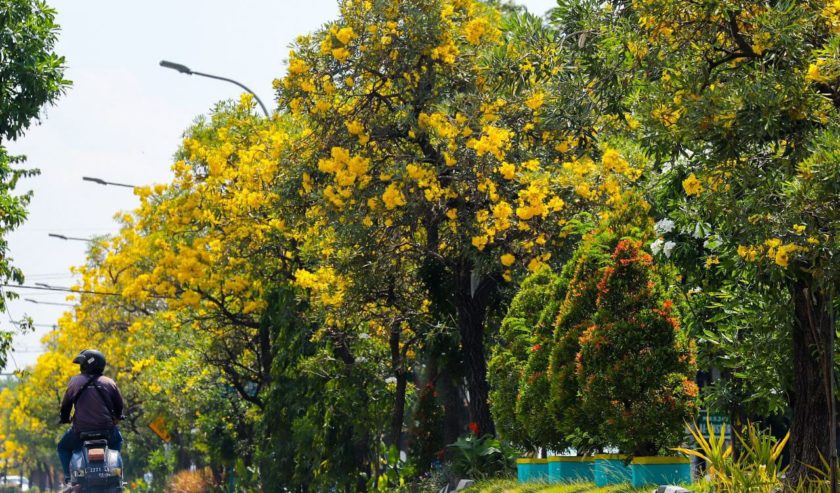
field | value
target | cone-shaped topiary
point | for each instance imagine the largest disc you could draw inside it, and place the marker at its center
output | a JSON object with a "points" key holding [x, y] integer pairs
{"points": [[635, 365], [574, 317], [507, 366]]}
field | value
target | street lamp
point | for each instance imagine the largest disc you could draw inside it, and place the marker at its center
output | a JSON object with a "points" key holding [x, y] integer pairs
{"points": [[103, 182], [67, 238], [186, 70], [46, 302]]}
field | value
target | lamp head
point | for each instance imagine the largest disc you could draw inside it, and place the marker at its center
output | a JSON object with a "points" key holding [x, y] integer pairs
{"points": [[176, 66]]}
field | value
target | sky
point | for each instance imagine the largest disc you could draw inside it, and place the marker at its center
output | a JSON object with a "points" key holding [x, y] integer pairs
{"points": [[124, 116]]}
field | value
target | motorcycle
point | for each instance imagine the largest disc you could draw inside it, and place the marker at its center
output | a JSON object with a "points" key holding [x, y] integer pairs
{"points": [[95, 468]]}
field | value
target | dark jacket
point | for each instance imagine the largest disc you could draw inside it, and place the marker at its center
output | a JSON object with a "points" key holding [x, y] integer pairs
{"points": [[98, 408]]}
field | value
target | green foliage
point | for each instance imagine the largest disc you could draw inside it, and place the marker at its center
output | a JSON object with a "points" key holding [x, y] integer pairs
{"points": [[32, 76], [737, 114], [758, 468], [394, 471], [32, 72], [482, 457]]}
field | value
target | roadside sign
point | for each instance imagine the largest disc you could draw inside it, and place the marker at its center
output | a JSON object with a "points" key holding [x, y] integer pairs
{"points": [[719, 422], [158, 425]]}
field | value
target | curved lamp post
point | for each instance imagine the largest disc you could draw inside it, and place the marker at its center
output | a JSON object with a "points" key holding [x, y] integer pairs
{"points": [[186, 70], [103, 182], [68, 238]]}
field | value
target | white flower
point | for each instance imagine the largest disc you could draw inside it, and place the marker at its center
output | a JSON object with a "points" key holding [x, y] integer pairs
{"points": [[361, 359], [664, 225], [364, 335], [656, 246], [391, 380], [667, 247], [695, 290]]}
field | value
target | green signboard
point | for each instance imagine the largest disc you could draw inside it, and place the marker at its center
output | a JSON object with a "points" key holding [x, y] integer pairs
{"points": [[719, 422]]}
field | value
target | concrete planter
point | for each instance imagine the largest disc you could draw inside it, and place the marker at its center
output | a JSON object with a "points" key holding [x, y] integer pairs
{"points": [[660, 470], [528, 470], [571, 469], [610, 469]]}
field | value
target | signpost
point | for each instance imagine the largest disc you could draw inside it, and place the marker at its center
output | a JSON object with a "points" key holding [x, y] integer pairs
{"points": [[158, 425]]}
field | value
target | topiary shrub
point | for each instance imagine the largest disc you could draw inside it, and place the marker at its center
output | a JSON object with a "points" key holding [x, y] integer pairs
{"points": [[575, 315], [635, 365], [510, 356]]}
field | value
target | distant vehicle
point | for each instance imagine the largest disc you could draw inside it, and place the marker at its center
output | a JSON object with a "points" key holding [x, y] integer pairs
{"points": [[18, 481]]}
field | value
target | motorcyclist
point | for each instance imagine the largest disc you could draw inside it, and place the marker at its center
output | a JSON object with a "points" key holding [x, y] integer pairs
{"points": [[98, 407]]}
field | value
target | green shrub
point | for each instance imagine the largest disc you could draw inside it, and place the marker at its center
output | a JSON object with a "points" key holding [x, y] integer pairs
{"points": [[482, 457], [511, 359], [574, 317]]}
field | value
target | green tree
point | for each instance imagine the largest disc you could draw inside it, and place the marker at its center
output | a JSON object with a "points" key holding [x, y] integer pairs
{"points": [[31, 76], [742, 107]]}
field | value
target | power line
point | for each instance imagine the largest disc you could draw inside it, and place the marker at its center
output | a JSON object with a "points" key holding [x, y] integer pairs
{"points": [[60, 289], [78, 291]]}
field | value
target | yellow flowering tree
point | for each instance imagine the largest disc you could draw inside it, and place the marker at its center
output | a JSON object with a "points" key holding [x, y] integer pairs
{"points": [[426, 151]]}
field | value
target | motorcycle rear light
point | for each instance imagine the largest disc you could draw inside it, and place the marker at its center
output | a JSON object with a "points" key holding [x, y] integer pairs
{"points": [[96, 454]]}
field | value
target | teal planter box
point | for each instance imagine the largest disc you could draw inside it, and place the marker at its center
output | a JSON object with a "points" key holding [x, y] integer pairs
{"points": [[571, 469], [660, 470], [610, 469], [528, 470]]}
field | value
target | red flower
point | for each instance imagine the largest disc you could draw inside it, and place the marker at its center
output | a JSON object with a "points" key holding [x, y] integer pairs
{"points": [[535, 348], [474, 428]]}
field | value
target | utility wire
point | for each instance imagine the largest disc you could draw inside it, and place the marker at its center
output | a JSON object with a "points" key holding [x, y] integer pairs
{"points": [[62, 289]]}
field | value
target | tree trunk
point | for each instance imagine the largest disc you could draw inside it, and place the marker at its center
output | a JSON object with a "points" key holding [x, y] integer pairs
{"points": [[471, 304], [398, 415], [812, 330]]}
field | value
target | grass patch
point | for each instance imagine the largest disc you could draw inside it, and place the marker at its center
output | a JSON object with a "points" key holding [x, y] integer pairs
{"points": [[512, 486]]}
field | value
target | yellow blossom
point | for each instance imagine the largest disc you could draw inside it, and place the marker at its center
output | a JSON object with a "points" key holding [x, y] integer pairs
{"points": [[535, 101], [393, 197], [535, 264], [480, 242], [507, 170], [340, 54], [345, 35], [692, 185]]}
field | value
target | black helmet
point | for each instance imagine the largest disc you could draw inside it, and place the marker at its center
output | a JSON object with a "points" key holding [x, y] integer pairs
{"points": [[91, 361]]}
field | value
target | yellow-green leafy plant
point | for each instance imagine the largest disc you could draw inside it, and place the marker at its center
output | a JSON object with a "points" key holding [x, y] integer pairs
{"points": [[757, 469]]}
